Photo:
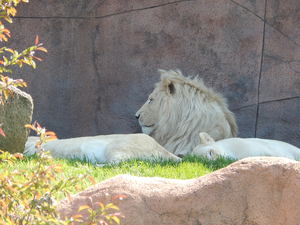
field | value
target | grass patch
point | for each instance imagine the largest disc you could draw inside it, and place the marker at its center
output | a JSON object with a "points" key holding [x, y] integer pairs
{"points": [[190, 167]]}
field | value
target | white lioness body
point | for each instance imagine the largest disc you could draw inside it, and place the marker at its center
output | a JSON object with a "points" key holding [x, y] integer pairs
{"points": [[104, 148], [239, 148], [179, 108]]}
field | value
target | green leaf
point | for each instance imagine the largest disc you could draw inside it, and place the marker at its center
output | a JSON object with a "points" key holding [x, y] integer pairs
{"points": [[83, 207], [111, 206], [33, 64], [116, 219]]}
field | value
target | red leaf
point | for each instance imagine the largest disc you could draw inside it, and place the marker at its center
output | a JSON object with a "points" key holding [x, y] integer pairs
{"points": [[2, 132], [36, 42], [19, 155], [37, 58], [42, 49], [29, 126], [50, 133]]}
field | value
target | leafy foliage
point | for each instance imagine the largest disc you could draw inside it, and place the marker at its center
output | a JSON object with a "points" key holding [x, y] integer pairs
{"points": [[27, 196], [7, 11], [101, 214], [8, 8], [191, 167], [42, 133], [27, 56]]}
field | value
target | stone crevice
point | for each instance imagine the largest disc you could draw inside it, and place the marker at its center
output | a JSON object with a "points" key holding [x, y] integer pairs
{"points": [[278, 100], [244, 7], [245, 211], [243, 107], [265, 21], [108, 15], [157, 6], [283, 34], [98, 75], [150, 7], [265, 102], [260, 71]]}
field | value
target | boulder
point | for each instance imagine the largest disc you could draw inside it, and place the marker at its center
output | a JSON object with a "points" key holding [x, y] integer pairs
{"points": [[252, 191], [14, 114]]}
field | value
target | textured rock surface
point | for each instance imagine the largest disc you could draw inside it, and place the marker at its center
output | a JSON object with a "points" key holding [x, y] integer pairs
{"points": [[14, 114], [282, 112], [253, 191], [103, 57]]}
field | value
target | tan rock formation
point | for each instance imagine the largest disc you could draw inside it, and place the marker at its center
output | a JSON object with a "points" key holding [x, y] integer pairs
{"points": [[253, 191]]}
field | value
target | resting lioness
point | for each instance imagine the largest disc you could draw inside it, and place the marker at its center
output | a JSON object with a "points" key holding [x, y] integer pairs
{"points": [[238, 148], [104, 148]]}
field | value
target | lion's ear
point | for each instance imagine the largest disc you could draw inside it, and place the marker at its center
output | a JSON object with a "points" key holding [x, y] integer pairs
{"points": [[166, 82], [168, 86], [171, 88], [205, 139]]}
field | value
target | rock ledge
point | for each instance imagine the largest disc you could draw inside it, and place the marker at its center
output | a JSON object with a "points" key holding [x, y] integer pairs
{"points": [[253, 191]]}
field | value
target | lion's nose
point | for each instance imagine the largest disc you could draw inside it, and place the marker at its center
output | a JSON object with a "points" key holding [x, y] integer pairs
{"points": [[137, 116]]}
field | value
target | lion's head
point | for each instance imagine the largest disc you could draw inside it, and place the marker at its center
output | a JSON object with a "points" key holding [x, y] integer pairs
{"points": [[207, 147], [179, 108]]}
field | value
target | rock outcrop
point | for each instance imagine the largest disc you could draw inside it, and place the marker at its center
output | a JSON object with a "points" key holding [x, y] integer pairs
{"points": [[253, 191], [14, 114]]}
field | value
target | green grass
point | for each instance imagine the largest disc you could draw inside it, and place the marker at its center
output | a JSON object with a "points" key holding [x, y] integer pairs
{"points": [[190, 167]]}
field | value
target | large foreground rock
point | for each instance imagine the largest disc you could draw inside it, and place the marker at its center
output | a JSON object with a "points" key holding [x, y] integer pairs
{"points": [[253, 191], [14, 114]]}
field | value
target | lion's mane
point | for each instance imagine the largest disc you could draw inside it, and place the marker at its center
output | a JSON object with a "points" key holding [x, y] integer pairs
{"points": [[187, 107]]}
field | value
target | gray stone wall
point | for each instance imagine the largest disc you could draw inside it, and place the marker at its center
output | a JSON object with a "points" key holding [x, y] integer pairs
{"points": [[104, 54]]}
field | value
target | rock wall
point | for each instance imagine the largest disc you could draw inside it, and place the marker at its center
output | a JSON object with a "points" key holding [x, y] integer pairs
{"points": [[103, 59]]}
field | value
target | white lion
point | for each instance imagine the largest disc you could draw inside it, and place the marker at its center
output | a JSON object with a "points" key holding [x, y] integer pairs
{"points": [[179, 108], [239, 148], [104, 148]]}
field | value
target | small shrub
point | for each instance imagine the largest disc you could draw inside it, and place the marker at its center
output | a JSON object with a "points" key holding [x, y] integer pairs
{"points": [[26, 196], [101, 214], [10, 57]]}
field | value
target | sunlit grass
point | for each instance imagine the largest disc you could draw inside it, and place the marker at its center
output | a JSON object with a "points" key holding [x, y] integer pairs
{"points": [[190, 167]]}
